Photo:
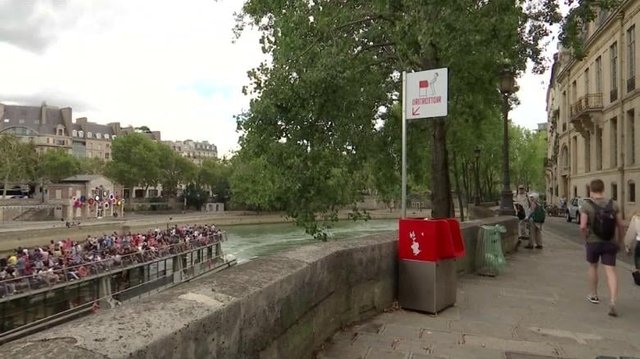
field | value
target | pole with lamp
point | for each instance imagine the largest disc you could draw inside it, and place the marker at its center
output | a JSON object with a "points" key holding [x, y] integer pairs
{"points": [[507, 88], [477, 156]]}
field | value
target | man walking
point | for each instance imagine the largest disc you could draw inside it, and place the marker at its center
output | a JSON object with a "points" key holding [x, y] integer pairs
{"points": [[599, 219]]}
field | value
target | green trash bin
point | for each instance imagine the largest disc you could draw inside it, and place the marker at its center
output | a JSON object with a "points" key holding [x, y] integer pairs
{"points": [[489, 257]]}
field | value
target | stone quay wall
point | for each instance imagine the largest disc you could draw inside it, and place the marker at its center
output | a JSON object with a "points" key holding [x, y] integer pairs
{"points": [[281, 306]]}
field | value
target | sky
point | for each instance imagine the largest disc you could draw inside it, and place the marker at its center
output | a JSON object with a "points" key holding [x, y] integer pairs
{"points": [[172, 66]]}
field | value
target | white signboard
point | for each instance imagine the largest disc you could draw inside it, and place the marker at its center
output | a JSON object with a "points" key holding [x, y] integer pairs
{"points": [[426, 94]]}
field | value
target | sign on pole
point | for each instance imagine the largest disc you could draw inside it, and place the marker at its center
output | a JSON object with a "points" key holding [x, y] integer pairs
{"points": [[426, 94]]}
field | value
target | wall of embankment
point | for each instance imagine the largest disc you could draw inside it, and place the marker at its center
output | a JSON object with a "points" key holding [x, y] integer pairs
{"points": [[281, 306]]}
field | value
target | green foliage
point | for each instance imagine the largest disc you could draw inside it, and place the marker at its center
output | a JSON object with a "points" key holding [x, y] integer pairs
{"points": [[216, 174], [135, 161], [529, 150], [581, 13], [310, 136], [18, 161], [173, 168], [55, 165], [196, 195], [92, 166]]}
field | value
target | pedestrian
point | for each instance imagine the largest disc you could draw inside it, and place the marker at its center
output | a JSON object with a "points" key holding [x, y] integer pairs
{"points": [[631, 240], [536, 219], [522, 206], [599, 220]]}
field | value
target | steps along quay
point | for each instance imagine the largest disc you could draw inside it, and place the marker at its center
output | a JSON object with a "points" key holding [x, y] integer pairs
{"points": [[34, 302]]}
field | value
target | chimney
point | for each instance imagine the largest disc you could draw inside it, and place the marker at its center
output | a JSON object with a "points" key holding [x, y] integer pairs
{"points": [[43, 113], [82, 121], [67, 119], [115, 127]]}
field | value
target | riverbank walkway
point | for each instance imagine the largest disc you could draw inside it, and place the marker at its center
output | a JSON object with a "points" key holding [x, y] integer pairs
{"points": [[535, 309]]}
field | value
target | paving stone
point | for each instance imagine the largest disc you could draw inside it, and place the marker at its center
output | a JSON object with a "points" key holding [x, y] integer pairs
{"points": [[482, 328], [427, 344], [397, 330], [537, 306], [343, 351], [426, 356], [386, 354], [460, 352], [373, 327], [513, 355], [511, 345]]}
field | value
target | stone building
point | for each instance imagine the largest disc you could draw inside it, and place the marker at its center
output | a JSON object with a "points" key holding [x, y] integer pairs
{"points": [[49, 127], [86, 196], [592, 106], [196, 151], [45, 126]]}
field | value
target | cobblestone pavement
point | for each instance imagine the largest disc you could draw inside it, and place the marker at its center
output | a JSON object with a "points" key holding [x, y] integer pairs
{"points": [[536, 308]]}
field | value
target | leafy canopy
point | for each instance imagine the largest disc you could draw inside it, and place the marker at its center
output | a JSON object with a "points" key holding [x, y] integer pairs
{"points": [[315, 130]]}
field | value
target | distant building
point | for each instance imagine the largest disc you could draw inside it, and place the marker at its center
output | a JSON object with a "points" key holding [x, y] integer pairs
{"points": [[194, 150], [45, 126], [50, 127], [542, 127]]}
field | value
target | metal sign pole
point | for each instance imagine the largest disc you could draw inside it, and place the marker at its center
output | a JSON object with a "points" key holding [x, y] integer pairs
{"points": [[404, 145]]}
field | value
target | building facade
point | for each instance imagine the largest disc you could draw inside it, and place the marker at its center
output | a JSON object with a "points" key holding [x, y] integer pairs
{"points": [[45, 126], [49, 127], [196, 151], [592, 105]]}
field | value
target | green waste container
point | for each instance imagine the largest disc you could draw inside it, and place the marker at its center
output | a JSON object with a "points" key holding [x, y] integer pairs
{"points": [[489, 257]]}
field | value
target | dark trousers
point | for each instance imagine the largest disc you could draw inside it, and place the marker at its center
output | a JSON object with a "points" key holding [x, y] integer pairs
{"points": [[636, 255]]}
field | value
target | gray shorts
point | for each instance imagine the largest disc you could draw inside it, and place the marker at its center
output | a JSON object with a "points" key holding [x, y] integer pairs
{"points": [[602, 251]]}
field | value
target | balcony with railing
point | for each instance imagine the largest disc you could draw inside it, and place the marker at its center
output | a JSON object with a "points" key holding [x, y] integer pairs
{"points": [[585, 111]]}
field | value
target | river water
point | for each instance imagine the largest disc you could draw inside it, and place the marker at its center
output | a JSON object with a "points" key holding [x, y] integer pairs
{"points": [[250, 241]]}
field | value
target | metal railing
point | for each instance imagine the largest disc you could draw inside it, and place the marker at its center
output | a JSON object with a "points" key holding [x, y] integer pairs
{"points": [[589, 102], [60, 277], [92, 304]]}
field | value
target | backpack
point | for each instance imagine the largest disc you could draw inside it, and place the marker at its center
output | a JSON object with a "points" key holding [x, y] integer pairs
{"points": [[520, 211], [604, 221], [538, 215]]}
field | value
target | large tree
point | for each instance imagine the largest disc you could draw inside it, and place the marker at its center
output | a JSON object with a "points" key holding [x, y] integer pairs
{"points": [[174, 169], [215, 174], [93, 166], [55, 165], [135, 161], [17, 162], [528, 156], [334, 64]]}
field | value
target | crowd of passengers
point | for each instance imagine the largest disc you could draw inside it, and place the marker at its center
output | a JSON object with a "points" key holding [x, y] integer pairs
{"points": [[69, 260]]}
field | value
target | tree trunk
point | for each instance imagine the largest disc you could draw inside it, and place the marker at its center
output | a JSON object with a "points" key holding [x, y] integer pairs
{"points": [[456, 177], [440, 185]]}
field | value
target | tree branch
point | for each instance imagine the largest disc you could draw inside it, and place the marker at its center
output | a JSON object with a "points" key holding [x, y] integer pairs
{"points": [[374, 46]]}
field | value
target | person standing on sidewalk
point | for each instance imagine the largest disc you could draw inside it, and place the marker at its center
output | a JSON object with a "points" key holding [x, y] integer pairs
{"points": [[535, 219], [522, 207], [631, 239], [599, 219]]}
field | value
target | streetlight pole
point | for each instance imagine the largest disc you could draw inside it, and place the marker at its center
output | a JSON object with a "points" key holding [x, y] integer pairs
{"points": [[477, 155], [507, 87]]}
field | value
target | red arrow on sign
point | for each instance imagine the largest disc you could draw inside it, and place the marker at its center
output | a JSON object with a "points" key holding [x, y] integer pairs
{"points": [[415, 111]]}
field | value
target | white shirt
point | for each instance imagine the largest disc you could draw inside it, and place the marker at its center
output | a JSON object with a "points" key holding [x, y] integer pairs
{"points": [[633, 232]]}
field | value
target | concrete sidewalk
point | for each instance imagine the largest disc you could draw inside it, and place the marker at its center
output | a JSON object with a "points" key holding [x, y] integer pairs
{"points": [[537, 308]]}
